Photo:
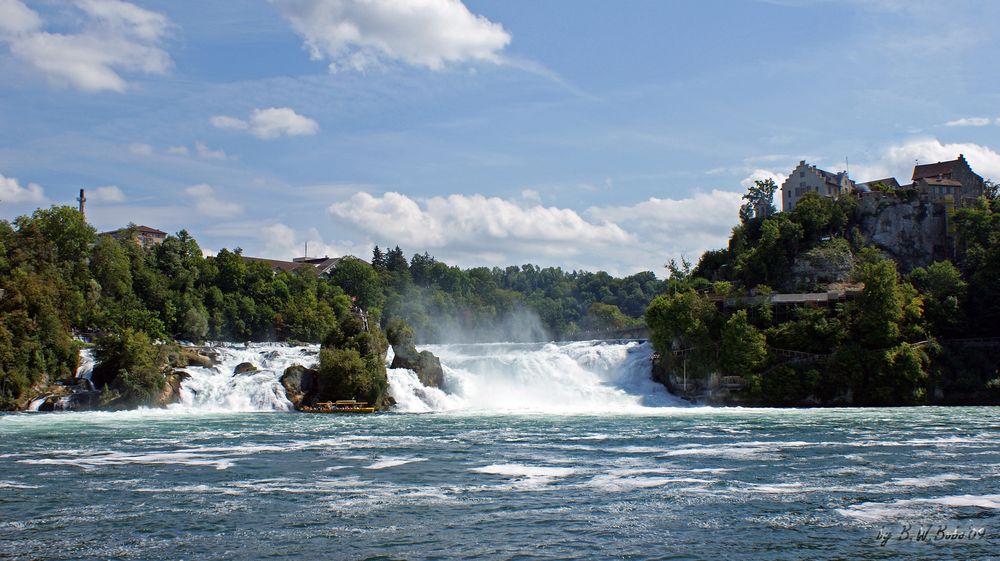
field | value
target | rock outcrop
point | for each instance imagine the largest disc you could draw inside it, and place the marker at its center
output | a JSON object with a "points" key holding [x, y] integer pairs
{"points": [[172, 389], [828, 263], [425, 364], [76, 395], [912, 232], [244, 368], [300, 385], [405, 355]]}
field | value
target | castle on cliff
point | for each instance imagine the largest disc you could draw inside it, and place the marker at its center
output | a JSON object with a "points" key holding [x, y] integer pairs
{"points": [[951, 182], [912, 223]]}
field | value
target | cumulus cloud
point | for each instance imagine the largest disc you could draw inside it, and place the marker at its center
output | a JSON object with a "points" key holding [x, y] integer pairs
{"points": [[489, 228], [677, 227], [205, 202], [357, 34], [761, 175], [969, 122], [108, 194], [280, 241], [269, 123], [11, 190], [16, 18], [898, 160], [115, 37]]}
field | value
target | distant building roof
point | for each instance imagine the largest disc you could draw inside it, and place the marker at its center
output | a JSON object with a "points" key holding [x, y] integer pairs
{"points": [[888, 182], [943, 169], [138, 230], [275, 264], [322, 265]]}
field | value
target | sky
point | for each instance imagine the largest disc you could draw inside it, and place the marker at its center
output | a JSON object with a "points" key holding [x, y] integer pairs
{"points": [[589, 135]]}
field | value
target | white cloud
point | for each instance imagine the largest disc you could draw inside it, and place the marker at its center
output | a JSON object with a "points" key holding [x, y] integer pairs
{"points": [[969, 122], [357, 34], [762, 174], [16, 18], [140, 149], [12, 192], [280, 241], [207, 153], [898, 160], [177, 150], [531, 195], [231, 123], [473, 226], [115, 37], [269, 123], [206, 203], [108, 194], [473, 230], [671, 228]]}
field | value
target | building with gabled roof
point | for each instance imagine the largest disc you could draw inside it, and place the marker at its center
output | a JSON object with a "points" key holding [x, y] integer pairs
{"points": [[807, 178], [953, 178]]}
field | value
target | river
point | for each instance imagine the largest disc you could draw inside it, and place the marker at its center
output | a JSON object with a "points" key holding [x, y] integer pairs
{"points": [[536, 452]]}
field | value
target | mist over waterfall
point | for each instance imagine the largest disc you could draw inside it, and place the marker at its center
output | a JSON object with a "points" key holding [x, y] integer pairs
{"points": [[575, 377]]}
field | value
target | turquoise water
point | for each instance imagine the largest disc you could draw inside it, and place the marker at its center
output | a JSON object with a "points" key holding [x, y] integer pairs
{"points": [[666, 484]]}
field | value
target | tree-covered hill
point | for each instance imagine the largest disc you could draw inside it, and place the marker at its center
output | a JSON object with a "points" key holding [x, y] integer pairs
{"points": [[879, 338], [58, 278]]}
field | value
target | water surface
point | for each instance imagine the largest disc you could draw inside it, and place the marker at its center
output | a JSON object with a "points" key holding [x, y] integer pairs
{"points": [[660, 483]]}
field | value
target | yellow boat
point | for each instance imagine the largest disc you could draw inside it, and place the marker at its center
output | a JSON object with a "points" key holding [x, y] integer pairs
{"points": [[340, 406]]}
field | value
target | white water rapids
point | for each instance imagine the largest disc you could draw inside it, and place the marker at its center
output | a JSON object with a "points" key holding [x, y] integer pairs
{"points": [[589, 376], [575, 377]]}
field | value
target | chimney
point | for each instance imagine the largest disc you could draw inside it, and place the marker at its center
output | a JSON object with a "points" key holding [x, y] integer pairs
{"points": [[83, 201]]}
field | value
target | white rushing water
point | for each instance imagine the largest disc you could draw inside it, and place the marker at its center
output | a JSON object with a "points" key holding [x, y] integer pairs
{"points": [[84, 370], [87, 361], [218, 388], [576, 377]]}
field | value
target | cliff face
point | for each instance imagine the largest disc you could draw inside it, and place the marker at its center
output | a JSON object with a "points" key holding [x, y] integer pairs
{"points": [[913, 233]]}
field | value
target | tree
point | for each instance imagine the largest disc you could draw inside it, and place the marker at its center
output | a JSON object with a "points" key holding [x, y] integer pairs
{"points": [[358, 279], [743, 346], [879, 307], [759, 200]]}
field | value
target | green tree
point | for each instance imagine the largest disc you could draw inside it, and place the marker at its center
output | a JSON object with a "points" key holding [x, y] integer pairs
{"points": [[759, 200], [879, 307], [744, 348]]}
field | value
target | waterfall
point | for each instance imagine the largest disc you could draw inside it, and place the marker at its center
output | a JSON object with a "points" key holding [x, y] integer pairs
{"points": [[217, 388], [87, 361], [576, 377], [36, 403]]}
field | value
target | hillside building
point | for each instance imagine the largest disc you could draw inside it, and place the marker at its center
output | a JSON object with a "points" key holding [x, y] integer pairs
{"points": [[142, 235], [952, 181], [807, 178]]}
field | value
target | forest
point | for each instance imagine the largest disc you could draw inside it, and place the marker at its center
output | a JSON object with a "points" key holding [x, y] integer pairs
{"points": [[59, 280]]}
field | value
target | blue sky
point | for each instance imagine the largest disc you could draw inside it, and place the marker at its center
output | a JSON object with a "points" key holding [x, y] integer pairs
{"points": [[590, 135]]}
